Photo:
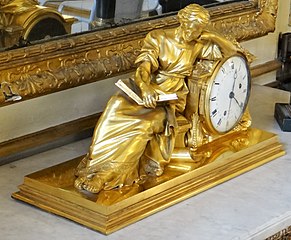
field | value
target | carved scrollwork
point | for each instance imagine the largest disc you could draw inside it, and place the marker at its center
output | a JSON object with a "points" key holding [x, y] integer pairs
{"points": [[69, 62], [5, 2], [73, 71], [247, 25]]}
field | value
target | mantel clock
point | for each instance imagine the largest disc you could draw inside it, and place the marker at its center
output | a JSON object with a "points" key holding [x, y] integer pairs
{"points": [[226, 95]]}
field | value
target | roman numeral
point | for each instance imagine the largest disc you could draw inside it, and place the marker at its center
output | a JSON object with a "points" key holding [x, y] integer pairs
{"points": [[214, 112], [213, 99]]}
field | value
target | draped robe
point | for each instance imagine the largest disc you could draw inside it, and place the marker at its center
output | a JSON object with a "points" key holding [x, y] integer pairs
{"points": [[127, 132]]}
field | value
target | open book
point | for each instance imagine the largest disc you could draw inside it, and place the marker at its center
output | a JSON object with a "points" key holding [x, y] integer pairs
{"points": [[134, 96]]}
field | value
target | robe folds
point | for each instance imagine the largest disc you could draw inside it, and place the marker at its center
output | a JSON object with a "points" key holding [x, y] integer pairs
{"points": [[131, 141]]}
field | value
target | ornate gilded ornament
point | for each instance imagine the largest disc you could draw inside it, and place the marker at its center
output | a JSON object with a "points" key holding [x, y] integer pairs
{"points": [[226, 95], [135, 141], [148, 156]]}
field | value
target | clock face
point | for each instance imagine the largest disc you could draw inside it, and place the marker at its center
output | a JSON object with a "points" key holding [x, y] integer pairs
{"points": [[228, 94]]}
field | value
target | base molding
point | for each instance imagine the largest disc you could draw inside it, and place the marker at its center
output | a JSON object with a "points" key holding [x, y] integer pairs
{"points": [[52, 189]]}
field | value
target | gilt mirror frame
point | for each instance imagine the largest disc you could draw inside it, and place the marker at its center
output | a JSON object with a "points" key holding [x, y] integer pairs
{"points": [[72, 61]]}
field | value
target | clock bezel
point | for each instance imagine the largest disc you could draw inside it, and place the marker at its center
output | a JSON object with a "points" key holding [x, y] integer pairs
{"points": [[208, 123]]}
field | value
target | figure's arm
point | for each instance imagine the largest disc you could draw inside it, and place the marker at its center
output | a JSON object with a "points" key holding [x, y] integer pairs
{"points": [[143, 74], [147, 62], [142, 80], [226, 46]]}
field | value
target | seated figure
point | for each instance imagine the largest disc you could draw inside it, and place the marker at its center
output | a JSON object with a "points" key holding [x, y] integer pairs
{"points": [[132, 141]]}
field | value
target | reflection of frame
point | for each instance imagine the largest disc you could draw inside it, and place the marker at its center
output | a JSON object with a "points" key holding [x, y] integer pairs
{"points": [[72, 61]]}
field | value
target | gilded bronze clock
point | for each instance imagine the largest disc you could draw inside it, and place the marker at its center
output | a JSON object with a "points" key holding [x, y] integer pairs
{"points": [[226, 94]]}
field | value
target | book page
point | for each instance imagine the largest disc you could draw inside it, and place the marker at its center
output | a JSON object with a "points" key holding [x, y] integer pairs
{"points": [[137, 99]]}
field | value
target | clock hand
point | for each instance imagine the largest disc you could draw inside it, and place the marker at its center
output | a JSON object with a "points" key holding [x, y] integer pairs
{"points": [[231, 94], [240, 105], [234, 77], [229, 106], [235, 74]]}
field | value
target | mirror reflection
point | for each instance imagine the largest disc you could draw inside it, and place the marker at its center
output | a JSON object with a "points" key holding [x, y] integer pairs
{"points": [[23, 22]]}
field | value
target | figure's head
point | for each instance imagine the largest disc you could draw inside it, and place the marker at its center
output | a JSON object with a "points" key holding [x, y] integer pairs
{"points": [[193, 19]]}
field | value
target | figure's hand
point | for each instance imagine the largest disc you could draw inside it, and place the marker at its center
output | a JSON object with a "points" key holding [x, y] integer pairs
{"points": [[149, 96]]}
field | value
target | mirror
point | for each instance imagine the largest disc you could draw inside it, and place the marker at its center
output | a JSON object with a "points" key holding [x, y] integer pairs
{"points": [[100, 14], [72, 60], [24, 22]]}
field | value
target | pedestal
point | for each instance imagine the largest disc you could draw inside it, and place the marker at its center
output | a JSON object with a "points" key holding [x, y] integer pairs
{"points": [[52, 189]]}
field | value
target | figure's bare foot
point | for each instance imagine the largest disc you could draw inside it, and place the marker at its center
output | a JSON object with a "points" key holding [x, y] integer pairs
{"points": [[153, 168], [93, 185], [79, 182]]}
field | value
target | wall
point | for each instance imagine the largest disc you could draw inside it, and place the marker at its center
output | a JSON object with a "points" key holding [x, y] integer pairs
{"points": [[265, 48], [37, 114]]}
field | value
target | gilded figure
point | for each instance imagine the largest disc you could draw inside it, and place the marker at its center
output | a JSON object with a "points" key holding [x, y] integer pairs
{"points": [[132, 141]]}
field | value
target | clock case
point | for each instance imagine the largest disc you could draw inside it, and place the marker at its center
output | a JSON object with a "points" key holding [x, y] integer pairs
{"points": [[211, 84], [197, 109]]}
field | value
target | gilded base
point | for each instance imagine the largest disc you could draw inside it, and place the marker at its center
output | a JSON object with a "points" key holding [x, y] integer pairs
{"points": [[52, 189]]}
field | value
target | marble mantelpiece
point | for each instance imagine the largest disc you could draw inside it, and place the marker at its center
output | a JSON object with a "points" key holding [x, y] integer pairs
{"points": [[252, 206]]}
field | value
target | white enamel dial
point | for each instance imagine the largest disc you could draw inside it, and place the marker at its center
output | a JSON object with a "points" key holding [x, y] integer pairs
{"points": [[228, 94]]}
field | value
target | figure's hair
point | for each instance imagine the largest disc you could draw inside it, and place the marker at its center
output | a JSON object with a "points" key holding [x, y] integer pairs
{"points": [[194, 13]]}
